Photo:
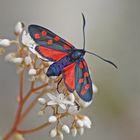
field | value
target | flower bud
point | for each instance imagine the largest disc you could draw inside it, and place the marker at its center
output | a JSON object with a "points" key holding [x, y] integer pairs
{"points": [[79, 123], [32, 72], [42, 101], [5, 42], [27, 60], [19, 28], [66, 129], [52, 119], [87, 125], [71, 97], [81, 131], [53, 133], [87, 120], [74, 132], [19, 137], [9, 57], [17, 60], [61, 136]]}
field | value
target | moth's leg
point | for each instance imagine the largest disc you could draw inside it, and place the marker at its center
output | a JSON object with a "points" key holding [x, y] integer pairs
{"points": [[58, 85]]}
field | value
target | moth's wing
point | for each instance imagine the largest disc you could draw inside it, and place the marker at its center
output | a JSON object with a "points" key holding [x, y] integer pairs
{"points": [[83, 81], [49, 41], [69, 76], [76, 78], [49, 54]]}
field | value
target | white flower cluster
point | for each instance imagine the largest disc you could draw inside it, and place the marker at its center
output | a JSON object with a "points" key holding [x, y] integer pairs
{"points": [[80, 124], [77, 127], [67, 104]]}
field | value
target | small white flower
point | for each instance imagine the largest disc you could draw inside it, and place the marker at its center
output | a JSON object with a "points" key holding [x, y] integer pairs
{"points": [[5, 42], [61, 136], [66, 129], [17, 60], [74, 132], [81, 131], [60, 100], [9, 57], [28, 60], [53, 133], [42, 101], [52, 119], [19, 28], [95, 89], [32, 71], [79, 123]]}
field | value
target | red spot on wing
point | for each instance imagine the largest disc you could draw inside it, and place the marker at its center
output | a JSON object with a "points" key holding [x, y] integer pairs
{"points": [[87, 86], [50, 42], [37, 36], [50, 53], [66, 46], [81, 65], [69, 73], [56, 38], [83, 92], [81, 80], [86, 74], [44, 33], [85, 64]]}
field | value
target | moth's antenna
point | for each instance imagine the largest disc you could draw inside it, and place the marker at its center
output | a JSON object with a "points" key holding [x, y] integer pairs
{"points": [[84, 23], [103, 59]]}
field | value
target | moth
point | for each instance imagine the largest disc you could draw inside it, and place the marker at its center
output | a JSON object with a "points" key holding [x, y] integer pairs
{"points": [[68, 61]]}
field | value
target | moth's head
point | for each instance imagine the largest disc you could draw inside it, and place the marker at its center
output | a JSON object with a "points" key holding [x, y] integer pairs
{"points": [[77, 54]]}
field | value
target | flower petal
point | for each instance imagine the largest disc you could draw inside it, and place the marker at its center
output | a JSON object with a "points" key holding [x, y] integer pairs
{"points": [[63, 106], [52, 97], [51, 103], [67, 102], [61, 96]]}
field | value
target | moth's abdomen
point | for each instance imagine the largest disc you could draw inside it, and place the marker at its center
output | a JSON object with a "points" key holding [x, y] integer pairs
{"points": [[57, 67]]}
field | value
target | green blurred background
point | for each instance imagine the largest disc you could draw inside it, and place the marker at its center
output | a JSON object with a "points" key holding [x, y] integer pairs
{"points": [[112, 31]]}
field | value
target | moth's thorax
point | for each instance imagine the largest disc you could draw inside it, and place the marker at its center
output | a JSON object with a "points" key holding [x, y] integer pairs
{"points": [[56, 68], [77, 54]]}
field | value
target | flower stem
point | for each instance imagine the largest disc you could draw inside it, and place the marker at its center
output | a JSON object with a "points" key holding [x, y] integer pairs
{"points": [[32, 104], [19, 111], [39, 127], [34, 129], [29, 93], [40, 87], [21, 87]]}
